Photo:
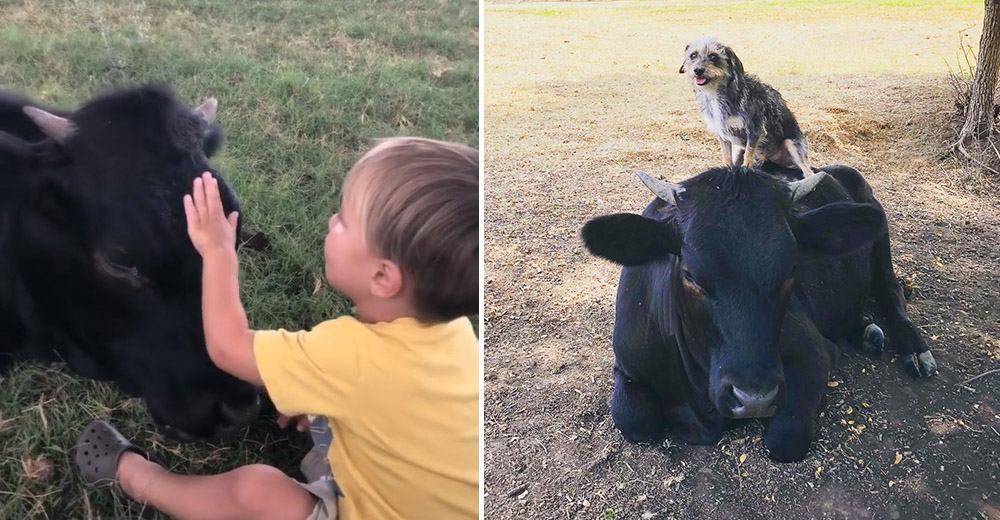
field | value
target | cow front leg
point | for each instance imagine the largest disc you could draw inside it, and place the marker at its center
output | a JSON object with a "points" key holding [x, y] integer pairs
{"points": [[807, 358], [866, 335], [902, 333], [634, 410], [789, 434]]}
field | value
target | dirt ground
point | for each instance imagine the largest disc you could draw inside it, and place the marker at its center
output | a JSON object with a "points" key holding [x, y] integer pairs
{"points": [[579, 96]]}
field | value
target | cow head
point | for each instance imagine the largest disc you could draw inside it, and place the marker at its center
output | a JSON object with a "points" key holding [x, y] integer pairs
{"points": [[117, 118], [96, 236], [729, 241]]}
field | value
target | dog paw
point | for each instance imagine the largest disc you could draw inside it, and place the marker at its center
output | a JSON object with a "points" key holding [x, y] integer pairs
{"points": [[920, 365], [874, 339]]}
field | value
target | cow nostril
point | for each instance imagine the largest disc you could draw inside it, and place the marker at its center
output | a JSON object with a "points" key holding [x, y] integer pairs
{"points": [[735, 394], [240, 415], [755, 398]]}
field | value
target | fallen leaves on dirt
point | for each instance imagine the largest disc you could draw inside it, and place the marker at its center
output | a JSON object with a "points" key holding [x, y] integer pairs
{"points": [[673, 481]]}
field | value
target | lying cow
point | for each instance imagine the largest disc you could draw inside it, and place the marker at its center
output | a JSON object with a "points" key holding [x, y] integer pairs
{"points": [[736, 285], [96, 267]]}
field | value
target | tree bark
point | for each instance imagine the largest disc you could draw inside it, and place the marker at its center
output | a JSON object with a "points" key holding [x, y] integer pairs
{"points": [[979, 120]]}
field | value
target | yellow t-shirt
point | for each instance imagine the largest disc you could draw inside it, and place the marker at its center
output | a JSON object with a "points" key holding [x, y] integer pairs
{"points": [[402, 400]]}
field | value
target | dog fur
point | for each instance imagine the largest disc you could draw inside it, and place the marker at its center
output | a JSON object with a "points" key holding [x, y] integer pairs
{"points": [[750, 118]]}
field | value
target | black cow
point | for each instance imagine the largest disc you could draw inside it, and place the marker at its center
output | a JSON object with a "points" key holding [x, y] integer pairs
{"points": [[96, 267], [737, 283]]}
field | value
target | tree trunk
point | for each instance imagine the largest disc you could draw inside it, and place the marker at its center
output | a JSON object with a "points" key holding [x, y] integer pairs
{"points": [[979, 120]]}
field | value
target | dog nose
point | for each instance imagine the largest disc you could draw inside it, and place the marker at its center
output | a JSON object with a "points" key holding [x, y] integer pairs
{"points": [[699, 70], [753, 403]]}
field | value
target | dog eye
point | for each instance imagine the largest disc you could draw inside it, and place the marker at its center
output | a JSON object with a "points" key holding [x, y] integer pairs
{"points": [[713, 56], [694, 55]]}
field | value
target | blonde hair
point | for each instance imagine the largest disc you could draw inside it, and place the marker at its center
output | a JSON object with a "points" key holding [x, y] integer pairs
{"points": [[420, 207]]}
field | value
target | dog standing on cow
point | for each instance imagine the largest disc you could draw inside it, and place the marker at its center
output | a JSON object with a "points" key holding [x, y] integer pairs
{"points": [[749, 117]]}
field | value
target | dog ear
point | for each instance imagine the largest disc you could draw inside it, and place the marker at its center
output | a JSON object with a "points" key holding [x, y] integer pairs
{"points": [[686, 47], [735, 64]]}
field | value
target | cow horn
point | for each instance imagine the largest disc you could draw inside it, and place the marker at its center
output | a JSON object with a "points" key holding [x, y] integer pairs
{"points": [[207, 109], [664, 190], [58, 128], [802, 188]]}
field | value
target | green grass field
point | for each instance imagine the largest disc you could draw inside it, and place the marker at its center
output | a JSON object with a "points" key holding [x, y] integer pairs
{"points": [[304, 87]]}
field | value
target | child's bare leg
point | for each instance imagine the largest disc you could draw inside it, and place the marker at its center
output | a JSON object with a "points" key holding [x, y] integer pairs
{"points": [[256, 491]]}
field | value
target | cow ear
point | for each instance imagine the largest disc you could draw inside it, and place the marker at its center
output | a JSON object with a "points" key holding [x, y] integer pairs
{"points": [[629, 239], [208, 109], [106, 265], [839, 228]]}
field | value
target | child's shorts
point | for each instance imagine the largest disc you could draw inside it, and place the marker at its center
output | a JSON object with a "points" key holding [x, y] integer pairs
{"points": [[325, 490]]}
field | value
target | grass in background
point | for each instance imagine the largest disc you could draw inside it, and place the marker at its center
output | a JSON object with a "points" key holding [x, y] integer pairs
{"points": [[304, 87]]}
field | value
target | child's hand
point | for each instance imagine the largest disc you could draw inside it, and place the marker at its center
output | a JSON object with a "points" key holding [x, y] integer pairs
{"points": [[208, 226], [301, 422]]}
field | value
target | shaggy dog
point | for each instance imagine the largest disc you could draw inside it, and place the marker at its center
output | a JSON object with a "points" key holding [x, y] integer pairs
{"points": [[750, 118]]}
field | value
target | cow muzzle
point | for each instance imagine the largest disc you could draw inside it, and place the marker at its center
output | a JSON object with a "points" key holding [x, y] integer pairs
{"points": [[748, 402], [230, 419]]}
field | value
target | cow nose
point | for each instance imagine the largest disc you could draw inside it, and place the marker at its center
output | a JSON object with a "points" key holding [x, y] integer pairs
{"points": [[754, 403], [237, 416], [699, 70]]}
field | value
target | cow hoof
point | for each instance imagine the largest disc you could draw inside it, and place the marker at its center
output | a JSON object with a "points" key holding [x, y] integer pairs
{"points": [[637, 429], [790, 449], [920, 365], [874, 339], [787, 441], [640, 438]]}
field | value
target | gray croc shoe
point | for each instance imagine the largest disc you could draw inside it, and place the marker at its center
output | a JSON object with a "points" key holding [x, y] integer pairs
{"points": [[97, 452], [315, 465]]}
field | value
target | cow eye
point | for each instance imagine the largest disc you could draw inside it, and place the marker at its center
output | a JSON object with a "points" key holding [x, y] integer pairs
{"points": [[689, 279], [784, 286]]}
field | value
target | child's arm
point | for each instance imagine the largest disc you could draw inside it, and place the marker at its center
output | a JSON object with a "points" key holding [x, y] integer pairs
{"points": [[228, 337]]}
